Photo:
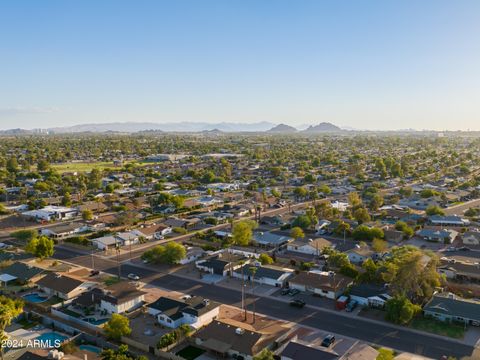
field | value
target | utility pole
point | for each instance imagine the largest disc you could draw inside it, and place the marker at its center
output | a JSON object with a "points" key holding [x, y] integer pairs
{"points": [[117, 248]]}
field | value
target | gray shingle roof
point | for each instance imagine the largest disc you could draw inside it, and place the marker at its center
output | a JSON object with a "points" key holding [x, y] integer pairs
{"points": [[453, 306]]}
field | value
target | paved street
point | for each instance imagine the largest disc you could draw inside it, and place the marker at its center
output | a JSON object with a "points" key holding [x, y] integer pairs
{"points": [[383, 334]]}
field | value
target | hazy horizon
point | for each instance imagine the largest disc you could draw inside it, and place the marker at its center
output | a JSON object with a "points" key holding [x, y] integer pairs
{"points": [[372, 65]]}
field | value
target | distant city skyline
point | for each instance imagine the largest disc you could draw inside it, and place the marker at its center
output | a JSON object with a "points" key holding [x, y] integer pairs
{"points": [[372, 65]]}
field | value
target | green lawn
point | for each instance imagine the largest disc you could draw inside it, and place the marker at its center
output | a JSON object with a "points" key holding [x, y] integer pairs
{"points": [[82, 166], [452, 330], [111, 280], [89, 166], [190, 352]]}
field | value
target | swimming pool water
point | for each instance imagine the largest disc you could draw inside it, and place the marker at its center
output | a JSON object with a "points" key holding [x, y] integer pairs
{"points": [[90, 348], [95, 321], [52, 339], [35, 298]]}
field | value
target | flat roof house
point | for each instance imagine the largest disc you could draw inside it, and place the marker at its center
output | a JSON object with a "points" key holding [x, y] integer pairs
{"points": [[195, 311], [49, 213]]}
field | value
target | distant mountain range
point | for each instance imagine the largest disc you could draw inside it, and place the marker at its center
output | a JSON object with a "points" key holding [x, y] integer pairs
{"points": [[322, 127], [131, 127], [150, 127], [282, 128]]}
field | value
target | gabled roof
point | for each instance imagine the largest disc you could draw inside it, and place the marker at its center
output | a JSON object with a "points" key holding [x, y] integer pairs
{"points": [[175, 309], [22, 271], [449, 304], [263, 272], [367, 290], [121, 292], [321, 280], [61, 283], [222, 337], [297, 351]]}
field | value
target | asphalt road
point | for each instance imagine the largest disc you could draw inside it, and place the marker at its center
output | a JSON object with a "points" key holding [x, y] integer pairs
{"points": [[382, 334]]}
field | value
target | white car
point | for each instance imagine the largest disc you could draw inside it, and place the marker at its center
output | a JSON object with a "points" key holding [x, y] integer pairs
{"points": [[133, 277]]}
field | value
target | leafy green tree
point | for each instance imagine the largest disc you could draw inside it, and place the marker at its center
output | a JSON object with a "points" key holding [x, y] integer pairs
{"points": [[297, 233], [361, 215], [9, 310], [265, 354], [42, 247], [354, 199], [385, 354], [117, 326], [171, 253], [434, 210], [242, 232], [365, 233], [121, 353], [400, 310], [265, 259], [302, 221], [87, 214]]}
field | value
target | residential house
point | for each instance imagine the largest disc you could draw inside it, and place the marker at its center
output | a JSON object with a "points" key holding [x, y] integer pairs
{"points": [[267, 275], [106, 242], [220, 264], [471, 238], [271, 239], [450, 308], [155, 231], [359, 254], [327, 284], [195, 311], [296, 350], [64, 230], [193, 253], [64, 287], [459, 270], [50, 213], [443, 236], [451, 220], [21, 272], [370, 295], [227, 340], [121, 297], [309, 246]]}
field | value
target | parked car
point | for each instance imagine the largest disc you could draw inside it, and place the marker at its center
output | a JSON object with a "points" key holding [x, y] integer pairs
{"points": [[133, 277], [351, 305], [285, 291], [94, 272], [297, 303], [186, 297], [328, 340], [293, 292], [464, 248]]}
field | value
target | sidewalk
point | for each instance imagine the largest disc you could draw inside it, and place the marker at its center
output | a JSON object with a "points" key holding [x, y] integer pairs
{"points": [[472, 336]]}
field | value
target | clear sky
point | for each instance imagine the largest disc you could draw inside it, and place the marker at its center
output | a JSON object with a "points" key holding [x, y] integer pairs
{"points": [[357, 63]]}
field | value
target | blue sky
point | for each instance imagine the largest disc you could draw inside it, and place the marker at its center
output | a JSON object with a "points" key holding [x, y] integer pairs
{"points": [[362, 64]]}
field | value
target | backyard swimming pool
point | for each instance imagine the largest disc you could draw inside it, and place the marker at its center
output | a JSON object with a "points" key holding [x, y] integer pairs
{"points": [[35, 298], [51, 339], [90, 348], [95, 321]]}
